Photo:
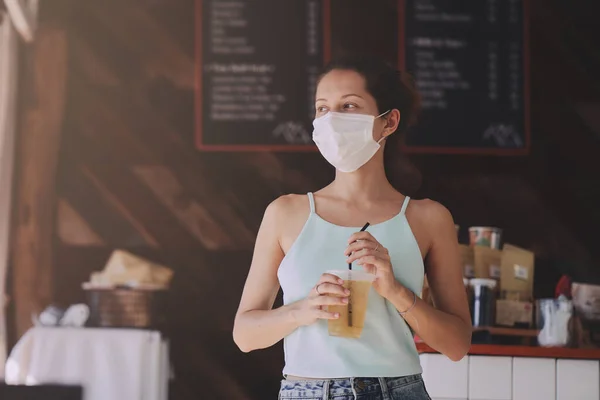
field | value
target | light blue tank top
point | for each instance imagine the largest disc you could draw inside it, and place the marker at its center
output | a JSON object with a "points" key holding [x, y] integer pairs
{"points": [[386, 347]]}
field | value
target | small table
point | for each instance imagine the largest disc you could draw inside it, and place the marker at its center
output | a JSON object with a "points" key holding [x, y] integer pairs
{"points": [[115, 364]]}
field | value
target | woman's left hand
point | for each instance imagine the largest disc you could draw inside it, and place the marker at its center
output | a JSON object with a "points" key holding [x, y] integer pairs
{"points": [[367, 252]]}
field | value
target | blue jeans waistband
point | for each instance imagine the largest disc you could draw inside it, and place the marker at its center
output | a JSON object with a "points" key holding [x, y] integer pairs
{"points": [[405, 387]]}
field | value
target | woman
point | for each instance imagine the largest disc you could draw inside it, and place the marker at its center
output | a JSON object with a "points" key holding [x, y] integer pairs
{"points": [[362, 108]]}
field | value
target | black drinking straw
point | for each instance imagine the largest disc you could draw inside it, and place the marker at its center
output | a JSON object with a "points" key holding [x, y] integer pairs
{"points": [[364, 228]]}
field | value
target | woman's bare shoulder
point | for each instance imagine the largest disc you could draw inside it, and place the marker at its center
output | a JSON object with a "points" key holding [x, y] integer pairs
{"points": [[430, 216], [287, 215], [286, 210], [288, 203], [429, 210], [431, 223]]}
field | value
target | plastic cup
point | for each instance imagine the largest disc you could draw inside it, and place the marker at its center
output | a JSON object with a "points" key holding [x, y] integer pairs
{"points": [[352, 316]]}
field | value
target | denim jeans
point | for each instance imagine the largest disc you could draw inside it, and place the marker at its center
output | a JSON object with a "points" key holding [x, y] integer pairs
{"points": [[401, 388]]}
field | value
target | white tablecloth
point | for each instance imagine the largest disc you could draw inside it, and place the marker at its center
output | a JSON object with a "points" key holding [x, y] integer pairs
{"points": [[110, 364]]}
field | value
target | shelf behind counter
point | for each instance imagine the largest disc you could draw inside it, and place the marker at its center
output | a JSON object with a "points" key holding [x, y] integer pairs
{"points": [[524, 351]]}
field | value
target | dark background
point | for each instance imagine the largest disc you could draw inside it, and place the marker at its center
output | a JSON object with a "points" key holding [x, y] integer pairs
{"points": [[131, 177]]}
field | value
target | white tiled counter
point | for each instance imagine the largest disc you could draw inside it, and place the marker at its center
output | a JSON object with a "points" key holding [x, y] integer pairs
{"points": [[533, 378], [505, 377]]}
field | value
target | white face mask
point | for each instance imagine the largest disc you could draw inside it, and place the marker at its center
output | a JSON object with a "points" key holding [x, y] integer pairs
{"points": [[346, 140]]}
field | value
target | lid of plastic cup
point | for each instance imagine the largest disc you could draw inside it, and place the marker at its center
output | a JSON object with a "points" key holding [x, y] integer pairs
{"points": [[485, 228], [490, 283], [355, 275]]}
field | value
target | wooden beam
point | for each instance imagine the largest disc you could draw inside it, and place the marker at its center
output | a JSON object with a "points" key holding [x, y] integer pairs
{"points": [[38, 147], [187, 210], [73, 229]]}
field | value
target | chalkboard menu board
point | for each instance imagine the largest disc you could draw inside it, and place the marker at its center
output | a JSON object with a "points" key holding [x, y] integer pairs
{"points": [[258, 61], [469, 61], [257, 65]]}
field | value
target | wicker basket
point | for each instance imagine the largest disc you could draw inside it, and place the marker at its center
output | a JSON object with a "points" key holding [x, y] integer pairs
{"points": [[126, 308]]}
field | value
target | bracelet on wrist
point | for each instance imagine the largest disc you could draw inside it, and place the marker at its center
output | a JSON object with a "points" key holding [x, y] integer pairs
{"points": [[411, 306]]}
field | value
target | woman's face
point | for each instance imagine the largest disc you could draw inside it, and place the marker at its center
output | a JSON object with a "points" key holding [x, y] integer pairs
{"points": [[344, 91]]}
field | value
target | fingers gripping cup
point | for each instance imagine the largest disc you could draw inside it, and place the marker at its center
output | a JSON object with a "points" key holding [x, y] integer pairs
{"points": [[351, 316]]}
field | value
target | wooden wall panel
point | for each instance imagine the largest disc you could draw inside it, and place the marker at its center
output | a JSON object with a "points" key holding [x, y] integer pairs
{"points": [[38, 152], [129, 176]]}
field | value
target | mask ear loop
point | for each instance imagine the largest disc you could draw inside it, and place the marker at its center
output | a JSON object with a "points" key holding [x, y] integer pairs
{"points": [[379, 116], [382, 114]]}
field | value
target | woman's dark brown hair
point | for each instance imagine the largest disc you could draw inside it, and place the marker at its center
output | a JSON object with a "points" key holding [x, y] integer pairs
{"points": [[392, 89]]}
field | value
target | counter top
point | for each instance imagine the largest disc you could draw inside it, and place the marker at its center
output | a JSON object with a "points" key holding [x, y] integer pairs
{"points": [[524, 351]]}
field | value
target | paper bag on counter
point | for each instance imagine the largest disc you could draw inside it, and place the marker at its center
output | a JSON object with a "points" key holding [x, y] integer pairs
{"points": [[124, 268], [514, 313], [586, 300], [516, 273], [487, 262], [466, 254]]}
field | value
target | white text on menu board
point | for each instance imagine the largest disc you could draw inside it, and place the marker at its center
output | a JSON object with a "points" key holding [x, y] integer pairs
{"points": [[240, 91], [436, 75]]}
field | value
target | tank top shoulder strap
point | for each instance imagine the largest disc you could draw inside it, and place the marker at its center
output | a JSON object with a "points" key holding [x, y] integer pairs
{"points": [[311, 201], [405, 205]]}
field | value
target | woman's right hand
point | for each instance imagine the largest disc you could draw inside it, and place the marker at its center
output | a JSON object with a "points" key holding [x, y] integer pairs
{"points": [[329, 291]]}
